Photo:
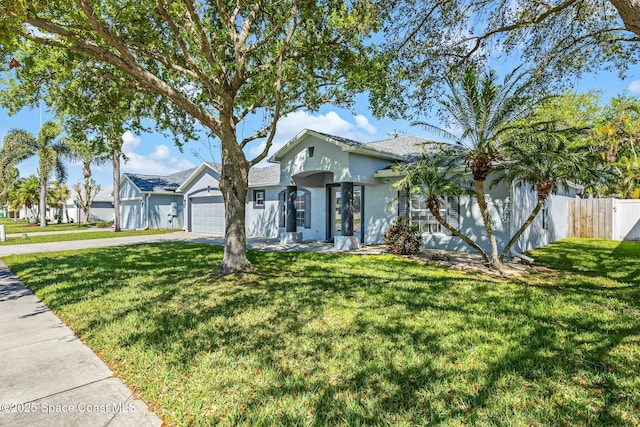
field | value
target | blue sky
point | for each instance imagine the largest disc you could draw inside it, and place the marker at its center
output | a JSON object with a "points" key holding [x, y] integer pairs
{"points": [[152, 153]]}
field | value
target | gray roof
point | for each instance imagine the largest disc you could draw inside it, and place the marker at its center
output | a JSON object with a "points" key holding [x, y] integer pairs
{"points": [[407, 146], [265, 176], [341, 139], [158, 183], [269, 175]]}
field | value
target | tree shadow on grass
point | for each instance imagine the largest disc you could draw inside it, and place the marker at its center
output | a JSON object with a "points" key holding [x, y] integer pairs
{"points": [[326, 339]]}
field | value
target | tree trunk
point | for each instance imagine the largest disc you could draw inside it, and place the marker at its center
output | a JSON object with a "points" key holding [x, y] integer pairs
{"points": [[115, 160], [494, 261], [544, 189], [234, 183], [43, 203], [522, 228], [436, 213], [629, 11]]}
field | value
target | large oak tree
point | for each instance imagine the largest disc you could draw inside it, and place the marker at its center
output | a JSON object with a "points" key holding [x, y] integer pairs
{"points": [[221, 62]]}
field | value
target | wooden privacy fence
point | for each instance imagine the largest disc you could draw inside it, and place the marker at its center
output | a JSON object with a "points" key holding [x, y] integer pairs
{"points": [[591, 218]]}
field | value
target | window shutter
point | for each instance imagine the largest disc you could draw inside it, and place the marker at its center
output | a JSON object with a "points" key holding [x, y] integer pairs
{"points": [[281, 199], [453, 213], [403, 204], [307, 209]]}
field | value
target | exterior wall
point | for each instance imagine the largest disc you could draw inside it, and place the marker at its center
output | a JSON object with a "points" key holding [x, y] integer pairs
{"points": [[158, 210], [263, 222], [128, 191], [626, 220], [379, 211], [197, 188], [129, 195], [101, 211], [471, 224], [326, 157], [536, 235], [318, 229], [362, 168]]}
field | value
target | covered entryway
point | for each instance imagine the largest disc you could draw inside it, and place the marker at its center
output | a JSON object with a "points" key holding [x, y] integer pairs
{"points": [[206, 215], [131, 214]]}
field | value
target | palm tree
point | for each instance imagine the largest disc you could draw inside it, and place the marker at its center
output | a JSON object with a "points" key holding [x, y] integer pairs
{"points": [[58, 196], [435, 177], [86, 152], [546, 159], [20, 145], [483, 110], [25, 194]]}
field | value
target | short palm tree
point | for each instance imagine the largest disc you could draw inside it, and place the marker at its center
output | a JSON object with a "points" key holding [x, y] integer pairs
{"points": [[435, 177], [26, 194], [483, 110], [20, 145], [546, 160]]}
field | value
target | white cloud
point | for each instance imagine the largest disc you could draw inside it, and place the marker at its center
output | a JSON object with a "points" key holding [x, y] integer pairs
{"points": [[129, 142], [330, 123], [363, 123], [161, 161], [161, 152], [634, 86]]}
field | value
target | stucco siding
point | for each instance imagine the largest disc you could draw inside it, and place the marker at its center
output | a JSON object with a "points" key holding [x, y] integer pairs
{"points": [[263, 221], [471, 223], [380, 209], [537, 235], [159, 209], [101, 211], [327, 157], [362, 168]]}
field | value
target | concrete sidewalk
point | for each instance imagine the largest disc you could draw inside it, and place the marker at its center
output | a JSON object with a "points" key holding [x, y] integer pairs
{"points": [[48, 377], [29, 248]]}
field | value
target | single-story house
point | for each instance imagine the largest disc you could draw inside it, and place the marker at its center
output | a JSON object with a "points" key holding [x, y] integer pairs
{"points": [[325, 187], [101, 208], [151, 201]]}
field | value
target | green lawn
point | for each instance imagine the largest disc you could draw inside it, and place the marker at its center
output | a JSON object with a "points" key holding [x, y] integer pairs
{"points": [[21, 226], [331, 339], [66, 237]]}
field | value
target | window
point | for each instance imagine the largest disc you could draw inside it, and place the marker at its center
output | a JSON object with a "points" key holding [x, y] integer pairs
{"points": [[303, 208], [545, 218], [427, 223], [258, 199]]}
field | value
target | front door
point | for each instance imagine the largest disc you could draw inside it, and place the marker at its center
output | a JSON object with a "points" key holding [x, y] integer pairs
{"points": [[335, 207]]}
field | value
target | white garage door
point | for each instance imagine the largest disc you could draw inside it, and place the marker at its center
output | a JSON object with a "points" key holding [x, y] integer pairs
{"points": [[130, 219], [207, 215]]}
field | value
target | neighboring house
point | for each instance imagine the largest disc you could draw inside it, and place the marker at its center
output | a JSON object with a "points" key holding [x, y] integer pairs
{"points": [[102, 206], [324, 187], [151, 201], [101, 209], [204, 206]]}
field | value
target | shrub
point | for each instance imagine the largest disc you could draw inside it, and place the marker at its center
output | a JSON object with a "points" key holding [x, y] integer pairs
{"points": [[403, 238]]}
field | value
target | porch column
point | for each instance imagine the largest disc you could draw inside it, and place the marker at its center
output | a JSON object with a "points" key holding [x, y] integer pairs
{"points": [[290, 219], [346, 208]]}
